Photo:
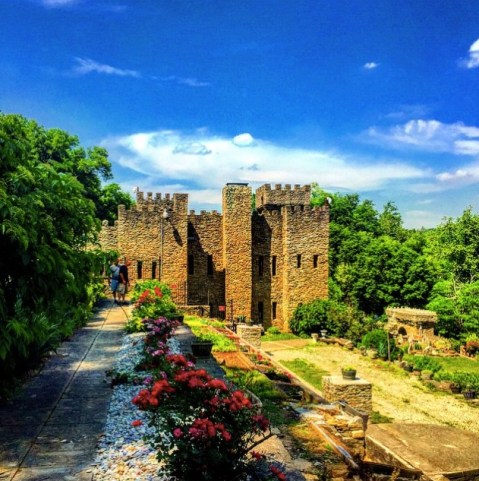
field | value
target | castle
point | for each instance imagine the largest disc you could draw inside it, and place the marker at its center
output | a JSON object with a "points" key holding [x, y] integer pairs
{"points": [[260, 264]]}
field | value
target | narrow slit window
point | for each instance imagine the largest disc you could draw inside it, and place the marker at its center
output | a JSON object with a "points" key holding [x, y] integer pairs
{"points": [[260, 311], [260, 266], [298, 261], [210, 265], [273, 309], [139, 270], [154, 266], [191, 264], [273, 265], [315, 261]]}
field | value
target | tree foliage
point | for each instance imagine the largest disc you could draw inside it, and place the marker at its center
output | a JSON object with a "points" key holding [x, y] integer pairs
{"points": [[47, 219]]}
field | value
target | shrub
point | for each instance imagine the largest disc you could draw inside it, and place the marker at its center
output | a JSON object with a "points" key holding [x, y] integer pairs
{"points": [[273, 330], [203, 428], [337, 318], [378, 339], [152, 299]]}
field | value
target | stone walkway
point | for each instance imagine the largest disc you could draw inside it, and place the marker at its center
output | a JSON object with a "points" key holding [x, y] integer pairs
{"points": [[49, 431]]}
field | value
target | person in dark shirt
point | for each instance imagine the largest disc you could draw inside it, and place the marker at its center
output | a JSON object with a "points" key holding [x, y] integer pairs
{"points": [[123, 286]]}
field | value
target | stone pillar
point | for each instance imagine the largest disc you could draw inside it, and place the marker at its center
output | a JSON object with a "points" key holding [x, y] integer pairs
{"points": [[251, 334], [357, 393]]}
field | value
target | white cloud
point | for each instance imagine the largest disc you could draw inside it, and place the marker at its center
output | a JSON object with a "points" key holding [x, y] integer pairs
{"points": [[58, 3], [429, 135], [370, 65], [162, 155], [85, 66], [472, 61], [243, 140], [192, 82]]}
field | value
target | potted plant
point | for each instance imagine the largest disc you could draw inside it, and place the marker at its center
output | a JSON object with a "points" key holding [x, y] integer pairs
{"points": [[202, 346], [468, 392], [455, 388], [349, 372], [426, 375]]}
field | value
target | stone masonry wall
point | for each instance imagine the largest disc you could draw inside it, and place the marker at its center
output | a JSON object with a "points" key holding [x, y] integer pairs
{"points": [[268, 286], [204, 239], [237, 250], [251, 334], [305, 238], [357, 393], [143, 234]]}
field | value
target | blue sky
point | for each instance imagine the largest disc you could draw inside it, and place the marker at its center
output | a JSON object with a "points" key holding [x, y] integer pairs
{"points": [[375, 97]]}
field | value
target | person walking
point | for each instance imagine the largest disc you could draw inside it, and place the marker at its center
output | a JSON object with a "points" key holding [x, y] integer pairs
{"points": [[123, 286], [115, 279]]}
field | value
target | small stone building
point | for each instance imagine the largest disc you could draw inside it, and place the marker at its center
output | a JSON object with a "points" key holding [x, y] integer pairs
{"points": [[258, 263], [408, 324]]}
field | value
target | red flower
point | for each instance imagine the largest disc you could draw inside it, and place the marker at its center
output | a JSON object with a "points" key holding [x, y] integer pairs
{"points": [[278, 473], [261, 421], [177, 433], [136, 423], [257, 455]]}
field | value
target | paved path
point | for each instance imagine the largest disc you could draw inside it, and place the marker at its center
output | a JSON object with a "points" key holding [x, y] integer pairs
{"points": [[49, 431]]}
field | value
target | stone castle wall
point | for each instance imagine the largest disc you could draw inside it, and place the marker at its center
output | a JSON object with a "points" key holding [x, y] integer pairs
{"points": [[247, 262], [206, 275]]}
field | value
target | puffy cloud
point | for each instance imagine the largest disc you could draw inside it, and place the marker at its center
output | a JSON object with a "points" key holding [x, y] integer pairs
{"points": [[429, 135], [86, 65], [472, 61], [243, 140], [178, 158], [370, 65]]}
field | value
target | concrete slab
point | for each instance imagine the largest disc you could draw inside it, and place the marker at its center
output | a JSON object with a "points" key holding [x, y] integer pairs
{"points": [[433, 449]]}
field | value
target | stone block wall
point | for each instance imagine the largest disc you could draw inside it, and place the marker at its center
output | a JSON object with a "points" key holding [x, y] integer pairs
{"points": [[251, 334], [305, 236], [357, 393]]}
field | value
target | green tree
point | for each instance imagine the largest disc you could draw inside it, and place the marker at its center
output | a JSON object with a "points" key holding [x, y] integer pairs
{"points": [[110, 198], [46, 223]]}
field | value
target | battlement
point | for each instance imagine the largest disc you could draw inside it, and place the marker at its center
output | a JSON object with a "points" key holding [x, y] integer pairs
{"points": [[204, 213], [304, 210], [280, 196]]}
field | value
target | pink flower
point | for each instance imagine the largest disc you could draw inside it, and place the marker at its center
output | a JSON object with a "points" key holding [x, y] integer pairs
{"points": [[177, 433]]}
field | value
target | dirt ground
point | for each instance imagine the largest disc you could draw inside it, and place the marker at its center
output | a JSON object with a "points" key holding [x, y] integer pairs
{"points": [[396, 394]]}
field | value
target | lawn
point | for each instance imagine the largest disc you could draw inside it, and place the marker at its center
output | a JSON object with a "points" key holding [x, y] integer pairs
{"points": [[307, 371]]}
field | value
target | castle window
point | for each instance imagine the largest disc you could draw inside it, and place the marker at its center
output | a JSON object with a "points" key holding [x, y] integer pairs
{"points": [[298, 261], [273, 309], [191, 264], [273, 265], [139, 270], [260, 311], [153, 269], [210, 265], [315, 260], [191, 231], [260, 266]]}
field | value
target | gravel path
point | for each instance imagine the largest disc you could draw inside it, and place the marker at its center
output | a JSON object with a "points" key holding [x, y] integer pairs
{"points": [[395, 394]]}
